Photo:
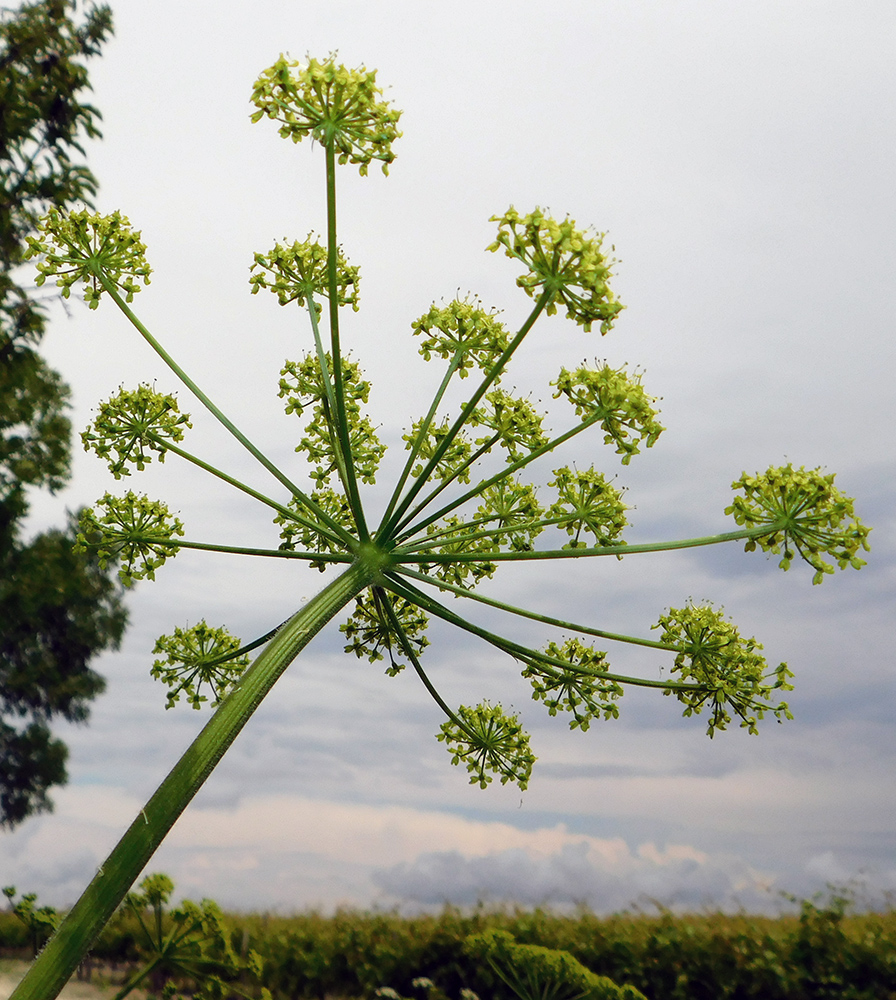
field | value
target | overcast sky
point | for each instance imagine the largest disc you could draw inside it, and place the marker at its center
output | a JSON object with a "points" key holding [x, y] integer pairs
{"points": [[740, 156]]}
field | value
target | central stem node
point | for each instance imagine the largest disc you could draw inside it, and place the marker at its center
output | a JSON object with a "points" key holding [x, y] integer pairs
{"points": [[375, 560]]}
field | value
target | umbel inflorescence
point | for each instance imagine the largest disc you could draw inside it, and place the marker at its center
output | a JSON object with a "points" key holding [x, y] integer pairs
{"points": [[463, 504], [465, 501]]}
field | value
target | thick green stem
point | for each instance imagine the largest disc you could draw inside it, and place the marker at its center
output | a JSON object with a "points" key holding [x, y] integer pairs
{"points": [[65, 950]]}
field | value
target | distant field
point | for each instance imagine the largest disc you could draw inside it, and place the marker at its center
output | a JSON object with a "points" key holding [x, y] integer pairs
{"points": [[821, 953]]}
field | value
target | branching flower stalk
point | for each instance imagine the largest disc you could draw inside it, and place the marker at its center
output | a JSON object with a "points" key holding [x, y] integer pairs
{"points": [[393, 566]]}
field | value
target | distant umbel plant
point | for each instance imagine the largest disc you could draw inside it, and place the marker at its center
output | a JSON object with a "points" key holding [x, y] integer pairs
{"points": [[461, 507]]}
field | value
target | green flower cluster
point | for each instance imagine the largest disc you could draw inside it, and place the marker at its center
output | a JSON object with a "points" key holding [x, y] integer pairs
{"points": [[453, 464], [453, 536], [131, 529], [615, 399], [720, 669], [562, 261], [534, 972], [464, 333], [514, 423], [370, 628], [805, 512], [197, 656], [305, 384], [569, 679], [298, 533], [298, 272], [586, 502], [88, 247], [509, 515], [486, 739], [331, 104], [132, 425]]}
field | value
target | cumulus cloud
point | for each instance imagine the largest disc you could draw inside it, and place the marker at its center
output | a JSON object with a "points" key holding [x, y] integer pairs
{"points": [[605, 876], [291, 853]]}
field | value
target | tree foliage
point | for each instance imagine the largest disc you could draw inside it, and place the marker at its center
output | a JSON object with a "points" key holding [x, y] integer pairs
{"points": [[58, 608]]}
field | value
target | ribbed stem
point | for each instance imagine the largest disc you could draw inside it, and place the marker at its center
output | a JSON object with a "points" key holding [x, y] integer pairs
{"points": [[65, 950]]}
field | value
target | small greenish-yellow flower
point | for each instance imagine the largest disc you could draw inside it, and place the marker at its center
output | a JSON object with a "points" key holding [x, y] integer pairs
{"points": [[305, 384], [330, 103], [134, 530], [197, 656], [511, 510], [488, 740], [302, 383], [563, 261], [586, 502], [458, 537], [370, 628], [299, 534], [805, 512], [464, 332], [615, 399], [577, 686], [515, 424], [454, 463], [295, 273], [131, 425], [88, 247], [726, 670]]}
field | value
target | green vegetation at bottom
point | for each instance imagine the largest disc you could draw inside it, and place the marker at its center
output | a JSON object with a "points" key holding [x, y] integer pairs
{"points": [[819, 953]]}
